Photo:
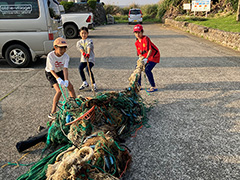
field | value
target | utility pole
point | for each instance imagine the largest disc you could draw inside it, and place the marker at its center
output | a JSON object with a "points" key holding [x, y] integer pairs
{"points": [[238, 11]]}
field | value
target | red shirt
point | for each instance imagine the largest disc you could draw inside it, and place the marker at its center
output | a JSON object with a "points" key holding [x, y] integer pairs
{"points": [[144, 46]]}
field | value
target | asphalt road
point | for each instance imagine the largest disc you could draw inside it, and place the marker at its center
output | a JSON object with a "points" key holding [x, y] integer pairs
{"points": [[195, 126]]}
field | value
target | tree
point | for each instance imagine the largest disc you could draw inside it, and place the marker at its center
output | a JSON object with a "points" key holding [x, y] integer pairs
{"points": [[92, 3], [238, 11]]}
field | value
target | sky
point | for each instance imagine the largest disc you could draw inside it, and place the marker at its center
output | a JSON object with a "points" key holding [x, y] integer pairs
{"points": [[128, 2]]}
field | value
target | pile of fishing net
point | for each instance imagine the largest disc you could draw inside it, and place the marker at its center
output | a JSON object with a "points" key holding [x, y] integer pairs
{"points": [[91, 133]]}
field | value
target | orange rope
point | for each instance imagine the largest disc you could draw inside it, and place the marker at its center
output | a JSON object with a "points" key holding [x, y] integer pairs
{"points": [[86, 115], [126, 164], [137, 130]]}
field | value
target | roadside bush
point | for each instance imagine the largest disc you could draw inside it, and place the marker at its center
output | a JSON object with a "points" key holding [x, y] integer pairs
{"points": [[162, 8], [234, 4], [92, 3], [125, 10], [112, 9], [67, 5], [121, 18], [145, 17], [172, 5], [176, 2], [150, 10]]}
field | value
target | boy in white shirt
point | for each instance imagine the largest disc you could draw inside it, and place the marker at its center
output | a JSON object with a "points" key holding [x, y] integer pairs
{"points": [[57, 71]]}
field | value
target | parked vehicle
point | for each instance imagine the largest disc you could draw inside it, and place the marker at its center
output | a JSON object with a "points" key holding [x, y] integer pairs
{"points": [[28, 29], [135, 15], [72, 22]]}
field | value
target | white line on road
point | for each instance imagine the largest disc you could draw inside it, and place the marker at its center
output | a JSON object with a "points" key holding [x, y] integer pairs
{"points": [[25, 70]]}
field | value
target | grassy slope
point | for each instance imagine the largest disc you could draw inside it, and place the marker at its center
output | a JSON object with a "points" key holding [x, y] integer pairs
{"points": [[225, 23]]}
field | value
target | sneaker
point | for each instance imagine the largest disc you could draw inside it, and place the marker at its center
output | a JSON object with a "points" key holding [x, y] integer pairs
{"points": [[51, 116], [152, 89], [83, 86], [94, 88]]}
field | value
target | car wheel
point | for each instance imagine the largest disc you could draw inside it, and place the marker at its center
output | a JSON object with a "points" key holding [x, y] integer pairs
{"points": [[140, 22], [70, 31], [18, 56], [129, 23]]}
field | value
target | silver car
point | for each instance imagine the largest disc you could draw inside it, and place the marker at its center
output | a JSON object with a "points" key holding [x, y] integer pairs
{"points": [[135, 15]]}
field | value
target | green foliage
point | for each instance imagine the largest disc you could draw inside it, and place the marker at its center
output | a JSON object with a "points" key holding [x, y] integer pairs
{"points": [[121, 19], [225, 23], [166, 4], [234, 4], [150, 10], [125, 10], [92, 3], [67, 5], [163, 7], [112, 9], [176, 2], [147, 18], [157, 11]]}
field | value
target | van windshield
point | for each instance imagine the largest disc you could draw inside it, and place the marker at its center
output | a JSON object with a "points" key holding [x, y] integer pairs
{"points": [[19, 9], [54, 9]]}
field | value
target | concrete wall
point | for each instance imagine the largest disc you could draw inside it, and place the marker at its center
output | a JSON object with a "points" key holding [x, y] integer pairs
{"points": [[228, 39]]}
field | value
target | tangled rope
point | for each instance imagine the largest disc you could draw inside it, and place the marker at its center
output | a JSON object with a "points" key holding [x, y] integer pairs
{"points": [[91, 132]]}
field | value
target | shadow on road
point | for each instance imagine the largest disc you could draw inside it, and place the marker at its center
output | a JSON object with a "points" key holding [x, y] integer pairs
{"points": [[132, 36], [122, 62], [40, 63], [196, 132], [212, 86]]}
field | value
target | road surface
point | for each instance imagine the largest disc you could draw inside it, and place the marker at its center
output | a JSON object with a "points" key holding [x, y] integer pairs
{"points": [[194, 129]]}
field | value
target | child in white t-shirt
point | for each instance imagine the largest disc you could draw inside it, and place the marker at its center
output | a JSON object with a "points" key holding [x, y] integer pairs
{"points": [[85, 46], [57, 71]]}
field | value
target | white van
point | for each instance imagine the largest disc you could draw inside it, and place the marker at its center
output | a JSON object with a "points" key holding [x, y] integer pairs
{"points": [[28, 29]]}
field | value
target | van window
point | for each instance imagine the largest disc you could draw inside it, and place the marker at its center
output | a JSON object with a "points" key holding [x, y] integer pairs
{"points": [[19, 9], [54, 9]]}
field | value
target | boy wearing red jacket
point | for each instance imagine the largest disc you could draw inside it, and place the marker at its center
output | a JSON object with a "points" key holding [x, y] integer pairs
{"points": [[148, 52]]}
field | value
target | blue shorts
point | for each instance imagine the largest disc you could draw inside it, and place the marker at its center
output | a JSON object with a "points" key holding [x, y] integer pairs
{"points": [[52, 79]]}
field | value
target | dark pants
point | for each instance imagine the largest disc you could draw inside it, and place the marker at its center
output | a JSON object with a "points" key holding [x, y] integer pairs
{"points": [[82, 74], [148, 70], [52, 79]]}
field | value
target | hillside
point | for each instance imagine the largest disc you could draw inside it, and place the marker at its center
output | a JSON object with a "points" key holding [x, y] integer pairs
{"points": [[173, 8]]}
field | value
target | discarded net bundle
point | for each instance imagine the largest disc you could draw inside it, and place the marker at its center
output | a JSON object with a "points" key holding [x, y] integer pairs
{"points": [[124, 110], [133, 79], [93, 140], [98, 154]]}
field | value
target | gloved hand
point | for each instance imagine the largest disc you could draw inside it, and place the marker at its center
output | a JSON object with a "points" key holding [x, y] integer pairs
{"points": [[66, 83], [86, 55], [60, 81], [145, 60]]}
